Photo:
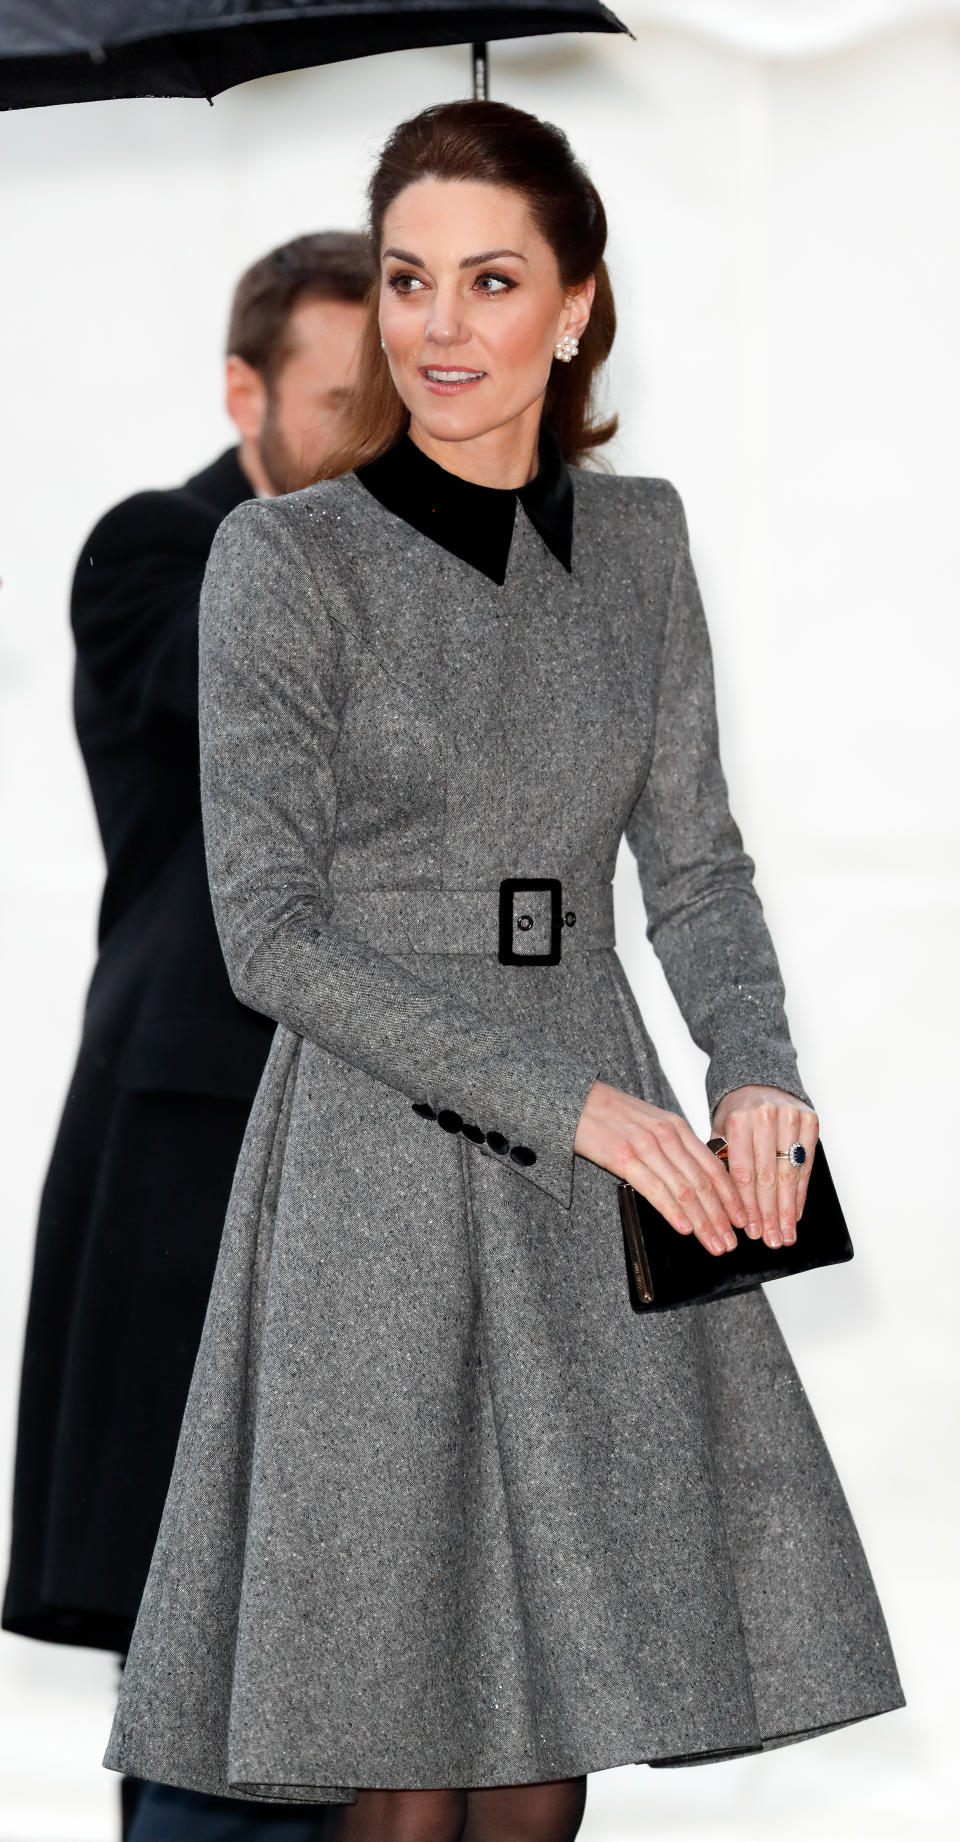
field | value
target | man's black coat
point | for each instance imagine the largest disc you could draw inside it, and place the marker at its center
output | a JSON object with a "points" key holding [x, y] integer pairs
{"points": [[169, 1062]]}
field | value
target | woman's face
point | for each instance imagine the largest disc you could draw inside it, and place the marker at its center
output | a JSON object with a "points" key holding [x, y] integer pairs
{"points": [[471, 306]]}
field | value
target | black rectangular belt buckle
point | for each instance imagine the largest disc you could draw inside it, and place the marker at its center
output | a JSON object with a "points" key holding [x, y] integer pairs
{"points": [[514, 885]]}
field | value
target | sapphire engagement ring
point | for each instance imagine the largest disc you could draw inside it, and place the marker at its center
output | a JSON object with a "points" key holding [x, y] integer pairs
{"points": [[796, 1155]]}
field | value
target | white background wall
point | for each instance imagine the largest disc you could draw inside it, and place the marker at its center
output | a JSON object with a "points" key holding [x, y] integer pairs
{"points": [[782, 185]]}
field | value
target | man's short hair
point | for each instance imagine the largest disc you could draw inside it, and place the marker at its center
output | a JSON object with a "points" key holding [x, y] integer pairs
{"points": [[329, 265]]}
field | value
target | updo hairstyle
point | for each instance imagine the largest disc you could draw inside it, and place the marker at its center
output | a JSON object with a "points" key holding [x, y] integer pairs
{"points": [[494, 144]]}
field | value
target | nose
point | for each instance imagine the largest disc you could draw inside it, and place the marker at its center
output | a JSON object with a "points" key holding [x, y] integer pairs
{"points": [[444, 325]]}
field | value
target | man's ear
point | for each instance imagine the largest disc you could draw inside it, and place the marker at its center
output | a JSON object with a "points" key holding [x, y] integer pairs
{"points": [[245, 397]]}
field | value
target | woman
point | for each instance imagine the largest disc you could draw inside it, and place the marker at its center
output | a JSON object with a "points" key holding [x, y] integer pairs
{"points": [[450, 1526]]}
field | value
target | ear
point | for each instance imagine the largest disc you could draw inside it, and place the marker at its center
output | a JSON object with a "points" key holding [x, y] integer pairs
{"points": [[576, 308], [245, 397]]}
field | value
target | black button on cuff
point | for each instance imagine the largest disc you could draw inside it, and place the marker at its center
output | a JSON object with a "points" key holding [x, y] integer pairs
{"points": [[452, 1122]]}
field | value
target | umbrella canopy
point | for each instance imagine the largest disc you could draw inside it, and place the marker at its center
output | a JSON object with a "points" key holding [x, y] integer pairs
{"points": [[89, 50]]}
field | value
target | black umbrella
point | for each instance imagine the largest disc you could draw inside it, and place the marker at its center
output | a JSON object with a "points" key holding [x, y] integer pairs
{"points": [[89, 50]]}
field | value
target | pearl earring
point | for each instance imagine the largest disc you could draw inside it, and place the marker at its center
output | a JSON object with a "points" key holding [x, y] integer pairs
{"points": [[567, 347], [382, 346]]}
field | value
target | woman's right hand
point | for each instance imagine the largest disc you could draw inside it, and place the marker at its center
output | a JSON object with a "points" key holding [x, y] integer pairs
{"points": [[660, 1156]]}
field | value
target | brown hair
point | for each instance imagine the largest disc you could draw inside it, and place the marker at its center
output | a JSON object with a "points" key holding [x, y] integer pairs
{"points": [[499, 145], [329, 265]]}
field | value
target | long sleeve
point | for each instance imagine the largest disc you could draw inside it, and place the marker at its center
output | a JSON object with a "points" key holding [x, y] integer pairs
{"points": [[134, 606], [704, 916], [269, 657]]}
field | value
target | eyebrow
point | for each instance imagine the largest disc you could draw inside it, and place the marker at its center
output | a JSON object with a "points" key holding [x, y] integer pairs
{"points": [[469, 262]]}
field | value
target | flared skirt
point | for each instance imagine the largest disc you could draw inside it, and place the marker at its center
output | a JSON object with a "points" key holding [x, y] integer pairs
{"points": [[445, 1510]]}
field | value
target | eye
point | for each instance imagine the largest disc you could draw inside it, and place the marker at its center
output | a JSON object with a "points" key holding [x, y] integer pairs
{"points": [[503, 283], [396, 280]]}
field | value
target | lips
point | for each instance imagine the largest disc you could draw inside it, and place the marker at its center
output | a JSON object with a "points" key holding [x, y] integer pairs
{"points": [[450, 380]]}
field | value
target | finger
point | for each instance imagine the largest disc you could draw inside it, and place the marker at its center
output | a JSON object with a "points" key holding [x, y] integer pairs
{"points": [[765, 1170], [650, 1174], [808, 1135], [657, 1178], [660, 1182], [694, 1178], [715, 1187], [740, 1163], [788, 1175], [676, 1134]]}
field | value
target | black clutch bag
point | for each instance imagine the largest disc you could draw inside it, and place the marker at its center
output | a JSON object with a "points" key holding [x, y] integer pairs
{"points": [[665, 1268]]}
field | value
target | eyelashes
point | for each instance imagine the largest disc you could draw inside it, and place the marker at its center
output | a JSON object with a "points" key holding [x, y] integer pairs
{"points": [[506, 281]]}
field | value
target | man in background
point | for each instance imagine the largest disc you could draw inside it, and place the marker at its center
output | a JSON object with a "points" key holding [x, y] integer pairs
{"points": [[169, 1061]]}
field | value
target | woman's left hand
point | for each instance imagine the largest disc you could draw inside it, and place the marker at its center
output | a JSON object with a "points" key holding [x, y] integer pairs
{"points": [[757, 1123]]}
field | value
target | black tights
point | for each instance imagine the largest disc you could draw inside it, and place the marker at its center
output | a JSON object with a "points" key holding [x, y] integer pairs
{"points": [[505, 1813]]}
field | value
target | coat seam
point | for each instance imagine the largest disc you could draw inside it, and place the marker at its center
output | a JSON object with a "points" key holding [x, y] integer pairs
{"points": [[358, 635], [515, 1570], [366, 652], [258, 1301]]}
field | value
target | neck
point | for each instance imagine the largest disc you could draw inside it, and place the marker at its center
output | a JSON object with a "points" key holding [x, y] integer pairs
{"points": [[505, 456], [252, 466]]}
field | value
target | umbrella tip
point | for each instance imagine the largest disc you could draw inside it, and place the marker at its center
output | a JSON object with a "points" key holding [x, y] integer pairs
{"points": [[481, 71]]}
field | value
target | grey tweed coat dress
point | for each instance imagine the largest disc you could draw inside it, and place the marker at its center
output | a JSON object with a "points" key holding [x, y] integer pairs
{"points": [[445, 1511]]}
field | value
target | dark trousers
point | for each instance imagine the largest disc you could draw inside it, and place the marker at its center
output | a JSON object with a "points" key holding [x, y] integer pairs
{"points": [[162, 1814]]}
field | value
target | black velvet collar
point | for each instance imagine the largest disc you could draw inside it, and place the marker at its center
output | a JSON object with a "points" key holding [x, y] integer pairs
{"points": [[475, 522]]}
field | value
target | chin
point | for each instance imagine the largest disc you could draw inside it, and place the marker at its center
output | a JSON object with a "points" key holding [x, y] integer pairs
{"points": [[460, 421]]}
